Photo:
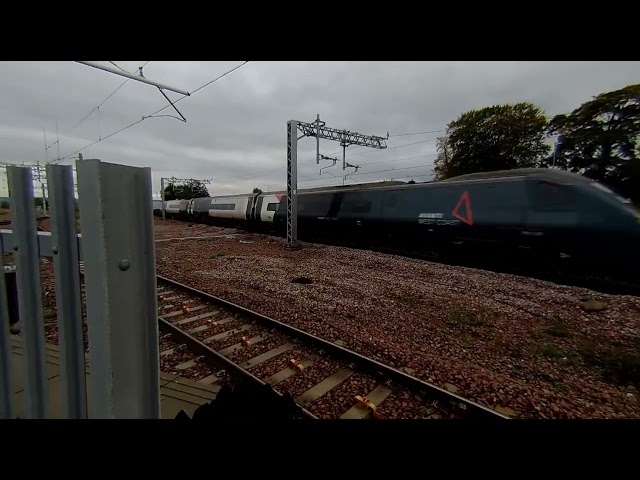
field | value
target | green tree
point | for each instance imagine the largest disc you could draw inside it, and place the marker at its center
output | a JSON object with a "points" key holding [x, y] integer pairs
{"points": [[601, 140], [185, 191], [257, 190], [499, 137]]}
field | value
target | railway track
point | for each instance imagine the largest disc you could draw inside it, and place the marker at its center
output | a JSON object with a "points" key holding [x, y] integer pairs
{"points": [[215, 342]]}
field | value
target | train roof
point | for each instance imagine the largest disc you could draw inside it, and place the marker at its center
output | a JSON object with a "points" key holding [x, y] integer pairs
{"points": [[551, 173]]}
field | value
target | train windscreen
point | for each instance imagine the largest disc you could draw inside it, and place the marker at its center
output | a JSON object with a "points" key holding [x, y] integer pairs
{"points": [[626, 201]]}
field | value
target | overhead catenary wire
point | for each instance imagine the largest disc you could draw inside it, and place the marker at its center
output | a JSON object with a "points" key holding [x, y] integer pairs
{"points": [[309, 162], [390, 147], [371, 173], [153, 114], [97, 108], [106, 99], [417, 133]]}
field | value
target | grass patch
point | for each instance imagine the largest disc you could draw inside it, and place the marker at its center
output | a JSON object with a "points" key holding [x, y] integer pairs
{"points": [[505, 348], [217, 255], [467, 339], [551, 351], [559, 329], [469, 318], [622, 367], [618, 365]]}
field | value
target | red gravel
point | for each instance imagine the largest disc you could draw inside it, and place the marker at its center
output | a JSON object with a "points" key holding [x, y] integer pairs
{"points": [[276, 364], [166, 230], [525, 346], [309, 377], [244, 354], [237, 338], [340, 399], [215, 329]]}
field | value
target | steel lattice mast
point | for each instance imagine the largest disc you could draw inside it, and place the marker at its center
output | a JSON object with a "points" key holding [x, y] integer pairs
{"points": [[319, 130]]}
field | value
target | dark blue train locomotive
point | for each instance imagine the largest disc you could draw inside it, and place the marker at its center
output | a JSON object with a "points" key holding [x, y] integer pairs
{"points": [[540, 214]]}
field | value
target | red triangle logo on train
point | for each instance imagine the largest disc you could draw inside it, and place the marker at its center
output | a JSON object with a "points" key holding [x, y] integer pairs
{"points": [[468, 218]]}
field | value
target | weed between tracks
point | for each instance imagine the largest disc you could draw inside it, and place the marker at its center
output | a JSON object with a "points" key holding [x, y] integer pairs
{"points": [[617, 364], [559, 329], [470, 318]]}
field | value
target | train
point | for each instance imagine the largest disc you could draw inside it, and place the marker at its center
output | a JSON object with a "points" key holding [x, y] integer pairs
{"points": [[534, 213]]}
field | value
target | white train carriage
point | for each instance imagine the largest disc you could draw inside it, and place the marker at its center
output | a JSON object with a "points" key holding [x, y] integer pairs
{"points": [[266, 206], [176, 208], [232, 207]]}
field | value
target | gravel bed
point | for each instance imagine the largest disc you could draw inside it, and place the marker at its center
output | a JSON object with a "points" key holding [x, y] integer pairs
{"points": [[49, 308], [276, 364], [184, 316], [167, 342], [169, 362], [169, 229], [168, 306], [244, 354], [528, 347], [199, 371], [237, 338], [309, 377], [404, 405], [216, 329], [340, 399], [199, 323]]}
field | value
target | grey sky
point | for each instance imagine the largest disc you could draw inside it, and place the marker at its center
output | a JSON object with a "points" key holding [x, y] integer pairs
{"points": [[236, 127]]}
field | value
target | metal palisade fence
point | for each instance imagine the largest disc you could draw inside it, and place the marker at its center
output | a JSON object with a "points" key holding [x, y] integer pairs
{"points": [[118, 252]]}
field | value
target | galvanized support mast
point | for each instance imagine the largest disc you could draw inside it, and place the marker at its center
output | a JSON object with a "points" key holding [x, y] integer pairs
{"points": [[292, 185], [319, 130]]}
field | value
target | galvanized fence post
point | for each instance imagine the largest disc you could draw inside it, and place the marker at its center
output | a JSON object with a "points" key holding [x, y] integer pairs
{"points": [[7, 404], [116, 219], [64, 241], [29, 292]]}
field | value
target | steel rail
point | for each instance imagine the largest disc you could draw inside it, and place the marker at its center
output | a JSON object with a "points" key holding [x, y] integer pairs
{"points": [[214, 357], [472, 408]]}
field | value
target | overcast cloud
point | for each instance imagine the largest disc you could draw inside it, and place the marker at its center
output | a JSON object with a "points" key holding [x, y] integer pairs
{"points": [[235, 132]]}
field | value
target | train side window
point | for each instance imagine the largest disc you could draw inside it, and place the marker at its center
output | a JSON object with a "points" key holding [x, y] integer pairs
{"points": [[223, 206], [551, 197], [272, 207]]}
